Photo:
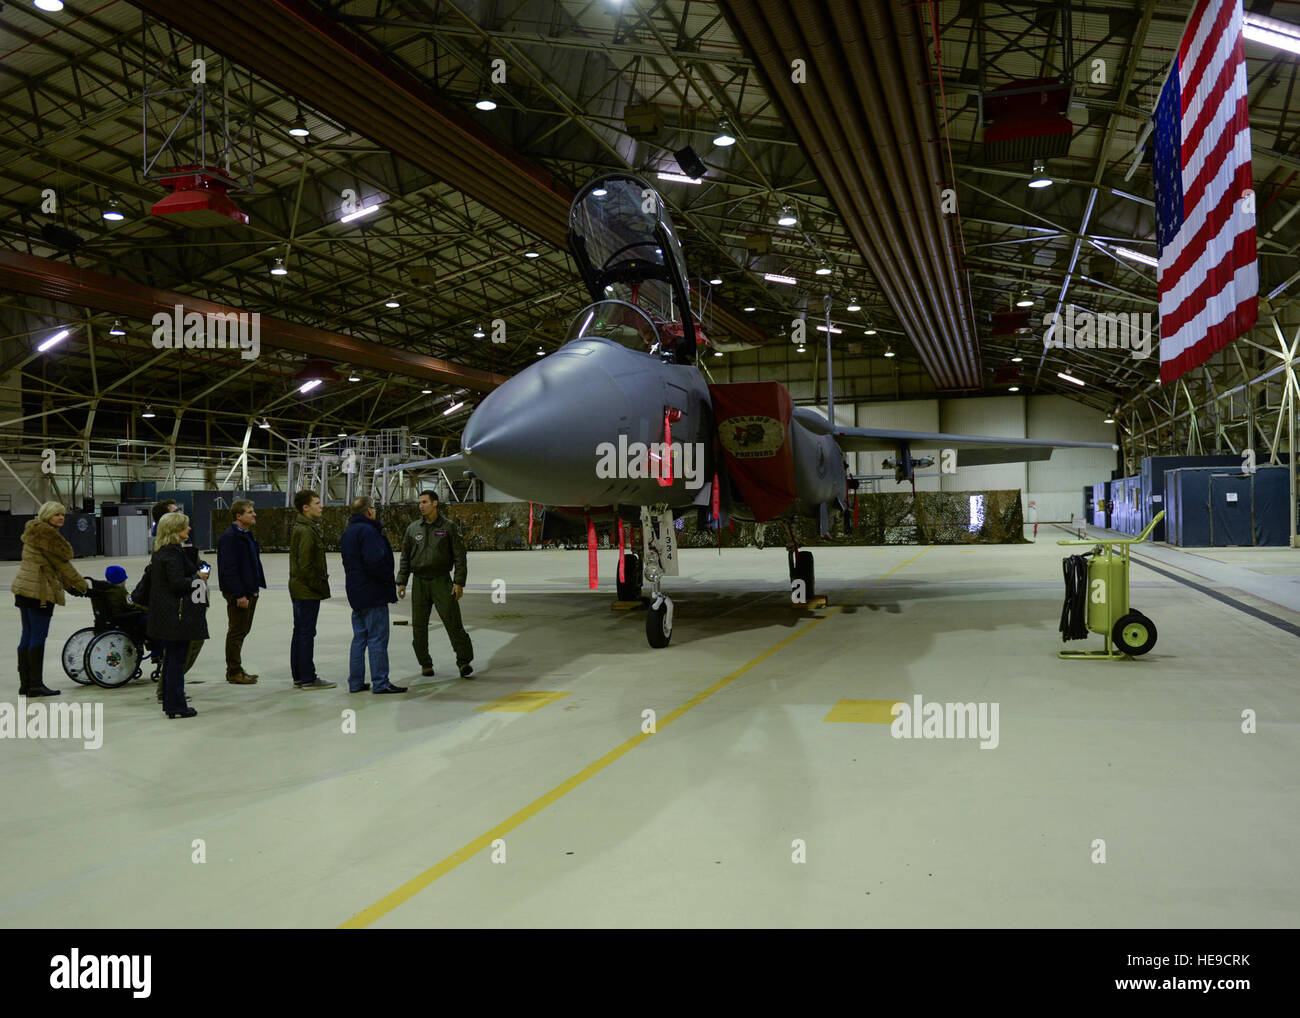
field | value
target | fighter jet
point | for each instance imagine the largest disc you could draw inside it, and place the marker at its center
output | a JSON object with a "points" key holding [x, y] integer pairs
{"points": [[621, 422]]}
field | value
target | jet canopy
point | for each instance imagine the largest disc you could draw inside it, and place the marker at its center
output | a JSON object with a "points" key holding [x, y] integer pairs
{"points": [[618, 320], [625, 245]]}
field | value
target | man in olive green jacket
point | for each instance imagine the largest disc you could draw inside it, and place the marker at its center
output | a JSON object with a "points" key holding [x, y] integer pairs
{"points": [[431, 548], [309, 584]]}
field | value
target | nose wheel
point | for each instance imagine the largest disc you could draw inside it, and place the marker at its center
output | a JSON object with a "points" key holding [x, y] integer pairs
{"points": [[659, 621]]}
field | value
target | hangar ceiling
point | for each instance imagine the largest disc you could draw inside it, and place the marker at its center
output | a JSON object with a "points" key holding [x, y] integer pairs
{"points": [[388, 91]]}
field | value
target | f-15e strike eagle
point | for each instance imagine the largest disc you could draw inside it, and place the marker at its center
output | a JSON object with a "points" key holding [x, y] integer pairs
{"points": [[620, 422]]}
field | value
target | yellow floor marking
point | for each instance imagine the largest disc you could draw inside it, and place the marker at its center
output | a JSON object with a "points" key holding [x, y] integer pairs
{"points": [[906, 561], [866, 712], [522, 702], [417, 884]]}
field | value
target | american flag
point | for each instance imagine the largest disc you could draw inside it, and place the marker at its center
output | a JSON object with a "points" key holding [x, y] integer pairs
{"points": [[1205, 216]]}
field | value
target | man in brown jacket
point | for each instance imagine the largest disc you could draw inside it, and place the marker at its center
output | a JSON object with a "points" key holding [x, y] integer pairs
{"points": [[46, 571], [309, 585]]}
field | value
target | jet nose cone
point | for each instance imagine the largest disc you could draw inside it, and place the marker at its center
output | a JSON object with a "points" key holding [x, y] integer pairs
{"points": [[535, 437]]}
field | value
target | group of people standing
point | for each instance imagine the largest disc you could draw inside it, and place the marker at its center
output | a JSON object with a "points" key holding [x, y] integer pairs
{"points": [[175, 589]]}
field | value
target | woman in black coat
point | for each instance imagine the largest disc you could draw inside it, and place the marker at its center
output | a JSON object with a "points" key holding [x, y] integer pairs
{"points": [[178, 606]]}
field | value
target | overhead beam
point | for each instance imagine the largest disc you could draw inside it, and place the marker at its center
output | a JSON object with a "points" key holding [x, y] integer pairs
{"points": [[42, 277]]}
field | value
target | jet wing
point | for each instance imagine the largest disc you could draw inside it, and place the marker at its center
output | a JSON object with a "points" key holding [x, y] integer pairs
{"points": [[976, 450]]}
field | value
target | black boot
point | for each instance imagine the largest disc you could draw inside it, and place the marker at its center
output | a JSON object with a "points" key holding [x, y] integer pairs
{"points": [[22, 671], [36, 673]]}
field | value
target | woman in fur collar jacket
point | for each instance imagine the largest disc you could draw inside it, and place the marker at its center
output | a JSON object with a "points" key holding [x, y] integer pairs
{"points": [[46, 572]]}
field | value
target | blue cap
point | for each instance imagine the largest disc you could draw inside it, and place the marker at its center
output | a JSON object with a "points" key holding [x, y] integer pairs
{"points": [[115, 574]]}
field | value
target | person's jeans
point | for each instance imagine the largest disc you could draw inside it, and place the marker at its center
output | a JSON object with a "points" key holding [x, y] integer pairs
{"points": [[36, 626], [173, 674], [303, 641], [369, 632]]}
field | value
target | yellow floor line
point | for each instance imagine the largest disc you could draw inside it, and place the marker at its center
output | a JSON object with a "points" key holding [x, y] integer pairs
{"points": [[906, 561], [418, 883]]}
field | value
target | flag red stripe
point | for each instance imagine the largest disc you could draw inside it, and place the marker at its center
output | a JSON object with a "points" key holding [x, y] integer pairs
{"points": [[1204, 58], [1241, 253], [1238, 322], [1193, 23], [1194, 246], [1205, 117]]}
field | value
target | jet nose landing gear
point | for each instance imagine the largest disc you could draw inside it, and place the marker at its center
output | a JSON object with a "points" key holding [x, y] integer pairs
{"points": [[660, 560]]}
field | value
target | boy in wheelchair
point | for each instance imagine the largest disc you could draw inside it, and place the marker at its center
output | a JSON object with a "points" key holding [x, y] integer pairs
{"points": [[113, 607]]}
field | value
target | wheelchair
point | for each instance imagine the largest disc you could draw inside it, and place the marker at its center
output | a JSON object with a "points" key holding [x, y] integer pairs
{"points": [[114, 650]]}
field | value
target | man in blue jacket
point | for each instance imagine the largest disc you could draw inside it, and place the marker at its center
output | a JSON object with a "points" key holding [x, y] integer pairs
{"points": [[240, 576], [368, 573]]}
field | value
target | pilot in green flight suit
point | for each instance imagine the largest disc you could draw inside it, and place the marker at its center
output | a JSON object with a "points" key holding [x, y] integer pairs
{"points": [[431, 547]]}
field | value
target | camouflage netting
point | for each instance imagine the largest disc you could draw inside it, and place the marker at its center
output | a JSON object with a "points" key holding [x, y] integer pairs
{"points": [[929, 517]]}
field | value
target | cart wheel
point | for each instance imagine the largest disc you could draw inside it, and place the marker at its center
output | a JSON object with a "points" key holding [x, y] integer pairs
{"points": [[1134, 634]]}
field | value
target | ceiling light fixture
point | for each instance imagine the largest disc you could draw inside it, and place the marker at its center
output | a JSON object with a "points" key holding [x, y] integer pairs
{"points": [[308, 385], [58, 337], [889, 351], [1270, 31], [776, 277], [532, 254], [117, 329], [1025, 300], [52, 6], [148, 411], [453, 408], [479, 333], [1013, 388], [834, 331], [486, 105], [1070, 378], [541, 352], [354, 378], [1040, 177], [599, 192], [265, 425], [869, 331], [392, 302], [1016, 360], [681, 178], [364, 211], [724, 138], [1136, 256], [113, 211], [278, 268], [1108, 420], [823, 269], [426, 392], [787, 217], [717, 280], [299, 129], [854, 305], [748, 307]]}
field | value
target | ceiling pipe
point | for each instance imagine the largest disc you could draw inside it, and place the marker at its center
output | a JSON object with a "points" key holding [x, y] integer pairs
{"points": [[905, 242], [761, 43]]}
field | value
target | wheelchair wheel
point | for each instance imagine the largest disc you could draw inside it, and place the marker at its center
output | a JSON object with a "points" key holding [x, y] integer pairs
{"points": [[74, 655], [112, 659]]}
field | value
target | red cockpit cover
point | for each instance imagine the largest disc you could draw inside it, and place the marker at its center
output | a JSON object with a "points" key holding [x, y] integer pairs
{"points": [[754, 432]]}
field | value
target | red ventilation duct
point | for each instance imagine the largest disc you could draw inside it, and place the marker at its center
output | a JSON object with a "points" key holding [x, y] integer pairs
{"points": [[1029, 121], [199, 198]]}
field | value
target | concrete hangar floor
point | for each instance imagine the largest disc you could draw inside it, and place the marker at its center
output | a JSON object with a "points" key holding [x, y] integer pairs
{"points": [[444, 810]]}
